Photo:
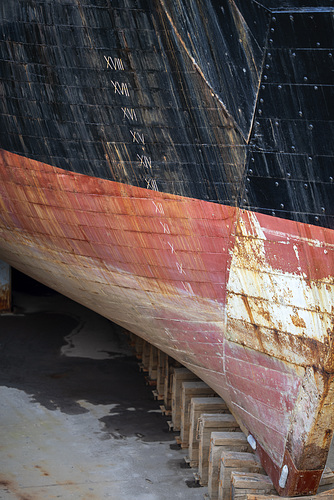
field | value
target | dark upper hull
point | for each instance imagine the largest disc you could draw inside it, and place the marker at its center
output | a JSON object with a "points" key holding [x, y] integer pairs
{"points": [[229, 102]]}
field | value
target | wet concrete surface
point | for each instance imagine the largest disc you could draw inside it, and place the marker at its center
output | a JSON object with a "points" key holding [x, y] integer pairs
{"points": [[77, 419]]}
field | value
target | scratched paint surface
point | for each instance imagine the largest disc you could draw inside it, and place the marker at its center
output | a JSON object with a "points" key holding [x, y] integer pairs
{"points": [[91, 240], [173, 132]]}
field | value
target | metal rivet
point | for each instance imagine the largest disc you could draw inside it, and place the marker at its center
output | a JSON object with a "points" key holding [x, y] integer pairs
{"points": [[252, 159], [263, 87], [257, 123], [310, 126], [291, 18], [272, 30], [276, 184], [248, 179], [315, 87], [261, 100], [280, 86], [300, 113], [269, 54], [293, 148], [267, 66], [305, 78], [265, 77], [316, 219], [276, 123], [331, 179], [305, 186], [260, 111], [288, 175], [318, 44], [250, 171], [323, 209], [271, 40], [273, 213], [282, 205], [274, 19], [330, 55], [293, 54]]}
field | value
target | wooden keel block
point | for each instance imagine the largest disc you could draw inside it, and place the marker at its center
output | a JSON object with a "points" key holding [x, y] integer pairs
{"points": [[189, 391], [5, 287], [245, 484], [326, 495], [162, 360], [153, 363], [179, 375], [234, 461], [146, 356], [327, 480], [198, 406], [170, 365], [139, 347], [207, 424], [222, 441]]}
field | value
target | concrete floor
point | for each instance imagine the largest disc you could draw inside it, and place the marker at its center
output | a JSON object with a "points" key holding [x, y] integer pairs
{"points": [[77, 420]]}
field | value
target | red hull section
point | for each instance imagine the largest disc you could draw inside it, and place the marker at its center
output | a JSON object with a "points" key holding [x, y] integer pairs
{"points": [[175, 271]]}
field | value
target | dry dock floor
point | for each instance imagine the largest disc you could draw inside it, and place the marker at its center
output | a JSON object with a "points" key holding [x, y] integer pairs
{"points": [[77, 419]]}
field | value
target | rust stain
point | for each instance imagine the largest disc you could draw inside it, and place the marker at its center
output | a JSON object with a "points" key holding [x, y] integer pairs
{"points": [[43, 471], [250, 314], [13, 488], [298, 321]]}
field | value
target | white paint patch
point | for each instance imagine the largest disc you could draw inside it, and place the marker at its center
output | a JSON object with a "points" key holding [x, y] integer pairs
{"points": [[98, 411], [270, 298]]}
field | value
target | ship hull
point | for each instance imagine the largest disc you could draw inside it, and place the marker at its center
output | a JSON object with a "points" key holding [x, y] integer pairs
{"points": [[170, 165], [241, 299]]}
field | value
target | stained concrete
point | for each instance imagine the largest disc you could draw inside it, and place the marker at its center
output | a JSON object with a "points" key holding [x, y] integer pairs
{"points": [[77, 419]]}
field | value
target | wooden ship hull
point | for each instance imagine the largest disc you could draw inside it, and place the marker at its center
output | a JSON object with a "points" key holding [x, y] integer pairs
{"points": [[170, 166]]}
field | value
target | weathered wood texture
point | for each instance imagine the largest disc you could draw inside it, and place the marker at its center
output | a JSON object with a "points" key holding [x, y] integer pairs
{"points": [[190, 390], [162, 360], [232, 461], [220, 442], [170, 365], [138, 346], [198, 406], [209, 423], [326, 495], [145, 361], [153, 363], [179, 375], [244, 484]]}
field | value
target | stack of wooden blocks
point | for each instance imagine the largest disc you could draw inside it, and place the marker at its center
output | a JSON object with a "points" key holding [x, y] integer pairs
{"points": [[216, 445]]}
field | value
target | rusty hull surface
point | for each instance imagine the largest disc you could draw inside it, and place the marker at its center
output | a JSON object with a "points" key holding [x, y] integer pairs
{"points": [[170, 165], [182, 274]]}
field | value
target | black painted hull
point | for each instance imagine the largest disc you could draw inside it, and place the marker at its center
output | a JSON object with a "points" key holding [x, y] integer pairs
{"points": [[220, 101]]}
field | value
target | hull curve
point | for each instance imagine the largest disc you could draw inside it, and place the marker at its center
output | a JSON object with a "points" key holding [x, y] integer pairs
{"points": [[242, 299]]}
